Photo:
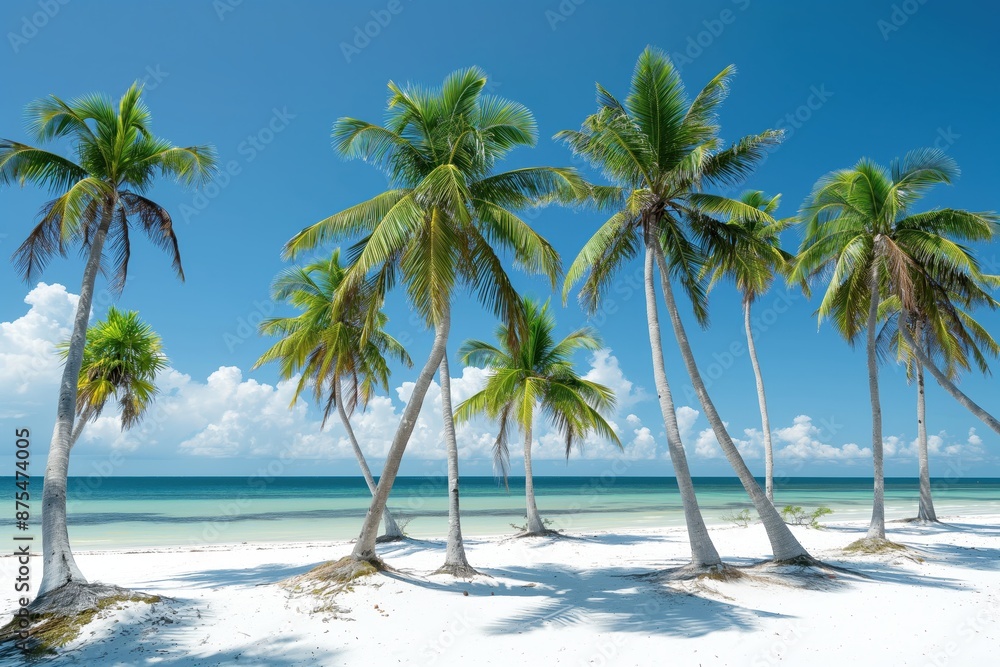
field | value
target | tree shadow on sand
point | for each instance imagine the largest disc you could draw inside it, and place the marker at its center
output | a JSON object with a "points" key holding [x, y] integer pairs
{"points": [[668, 601], [623, 600], [973, 558], [625, 540], [157, 639], [262, 575], [879, 570], [412, 545], [943, 527], [606, 600]]}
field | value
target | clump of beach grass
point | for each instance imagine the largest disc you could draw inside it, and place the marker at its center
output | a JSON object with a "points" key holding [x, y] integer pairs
{"points": [[874, 545], [326, 581], [58, 618]]}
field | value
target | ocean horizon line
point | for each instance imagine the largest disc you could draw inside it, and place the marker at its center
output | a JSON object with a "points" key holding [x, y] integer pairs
{"points": [[777, 479]]}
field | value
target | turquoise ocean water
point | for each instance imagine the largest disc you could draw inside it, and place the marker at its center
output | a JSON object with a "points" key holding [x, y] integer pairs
{"points": [[160, 511]]}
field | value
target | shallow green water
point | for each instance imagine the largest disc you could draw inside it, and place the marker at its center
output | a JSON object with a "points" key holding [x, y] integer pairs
{"points": [[157, 511]]}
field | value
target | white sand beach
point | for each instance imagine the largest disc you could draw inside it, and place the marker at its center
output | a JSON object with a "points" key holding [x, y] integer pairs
{"points": [[561, 601]]}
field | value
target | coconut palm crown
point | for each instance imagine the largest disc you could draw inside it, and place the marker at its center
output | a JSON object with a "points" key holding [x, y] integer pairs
{"points": [[322, 344], [448, 213], [536, 375], [115, 161], [121, 360]]}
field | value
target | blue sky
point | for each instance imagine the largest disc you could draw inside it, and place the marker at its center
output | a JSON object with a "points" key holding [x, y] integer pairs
{"points": [[263, 82]]}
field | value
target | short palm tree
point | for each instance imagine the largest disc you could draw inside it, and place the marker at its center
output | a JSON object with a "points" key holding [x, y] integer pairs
{"points": [[121, 359], [660, 149], [949, 335], [322, 345], [440, 226], [864, 237], [752, 262], [967, 289], [100, 197], [533, 375]]}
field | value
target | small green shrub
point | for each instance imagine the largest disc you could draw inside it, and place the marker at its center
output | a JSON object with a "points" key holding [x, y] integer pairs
{"points": [[820, 512], [741, 519], [793, 514], [796, 516]]}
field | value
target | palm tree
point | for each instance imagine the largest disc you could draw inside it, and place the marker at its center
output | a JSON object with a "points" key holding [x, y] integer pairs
{"points": [[861, 227], [321, 346], [948, 334], [659, 149], [100, 197], [972, 291], [440, 227], [121, 359], [536, 373], [752, 263]]}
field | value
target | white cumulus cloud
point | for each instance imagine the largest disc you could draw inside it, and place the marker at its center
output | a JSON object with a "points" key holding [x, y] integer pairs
{"points": [[938, 444], [29, 365], [686, 418], [707, 446], [805, 440]]}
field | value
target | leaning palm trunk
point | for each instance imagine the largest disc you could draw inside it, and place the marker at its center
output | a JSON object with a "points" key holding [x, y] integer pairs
{"points": [[783, 543], [364, 549], [762, 400], [926, 510], [535, 525], [58, 565], [81, 421], [392, 529], [876, 530], [943, 380], [703, 552], [455, 562]]}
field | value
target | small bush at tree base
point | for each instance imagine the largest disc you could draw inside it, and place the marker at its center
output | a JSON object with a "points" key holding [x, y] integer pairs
{"points": [[821, 511], [796, 516], [741, 519]]}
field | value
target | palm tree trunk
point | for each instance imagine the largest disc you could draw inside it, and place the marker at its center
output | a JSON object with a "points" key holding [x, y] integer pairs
{"points": [[876, 530], [364, 548], [703, 551], [455, 562], [926, 509], [535, 525], [392, 530], [81, 421], [784, 545], [762, 400], [58, 565], [943, 380]]}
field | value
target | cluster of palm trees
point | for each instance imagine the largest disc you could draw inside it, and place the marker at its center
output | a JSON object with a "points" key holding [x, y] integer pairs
{"points": [[99, 201], [442, 227], [887, 263], [451, 218], [660, 152]]}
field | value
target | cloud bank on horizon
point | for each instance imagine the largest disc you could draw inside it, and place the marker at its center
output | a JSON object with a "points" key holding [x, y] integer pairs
{"points": [[229, 415]]}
